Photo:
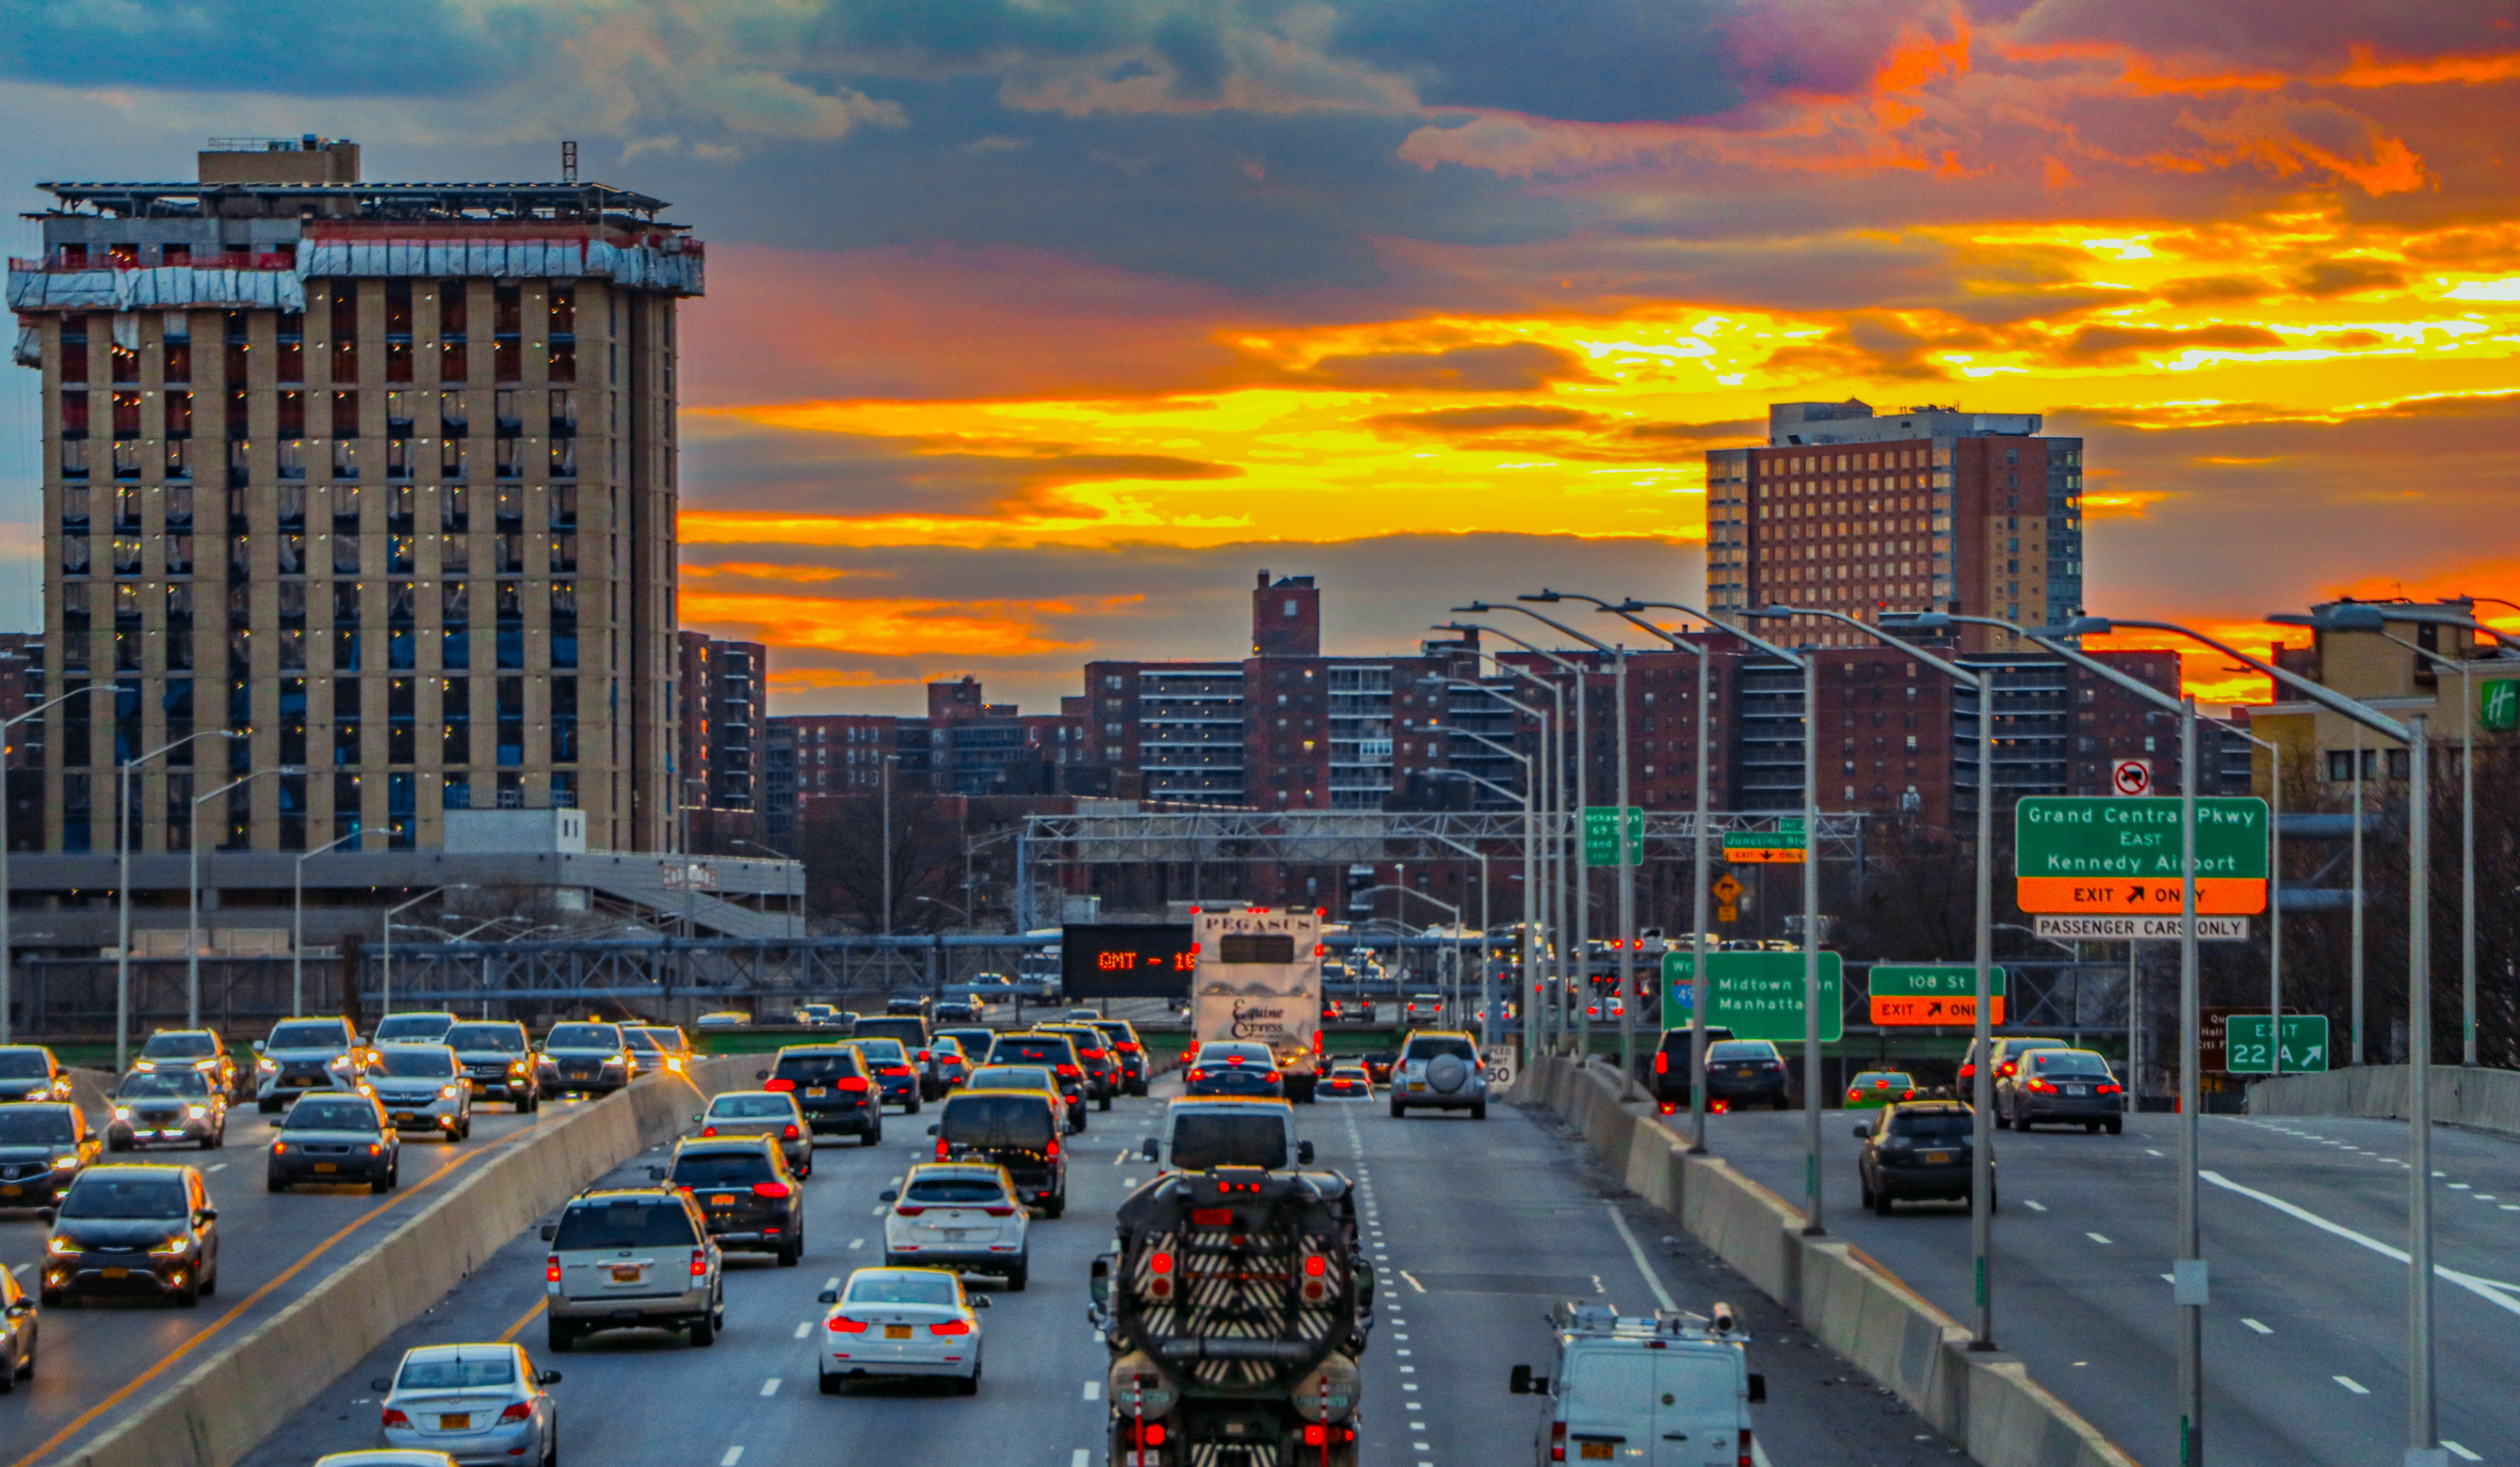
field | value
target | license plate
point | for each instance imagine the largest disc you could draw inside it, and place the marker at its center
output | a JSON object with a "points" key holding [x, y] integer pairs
{"points": [[896, 1332], [816, 1090], [327, 1167], [458, 1423], [406, 1115], [1935, 1157], [2077, 1090], [1416, 1085], [722, 1200], [626, 1275], [1596, 1451], [11, 1191], [117, 1272]]}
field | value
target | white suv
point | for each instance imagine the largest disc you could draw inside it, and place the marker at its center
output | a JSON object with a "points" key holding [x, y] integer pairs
{"points": [[1439, 1069], [962, 1216]]}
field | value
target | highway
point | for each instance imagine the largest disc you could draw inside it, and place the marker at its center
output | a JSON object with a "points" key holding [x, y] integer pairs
{"points": [[105, 1358], [2305, 1337], [1478, 1227]]}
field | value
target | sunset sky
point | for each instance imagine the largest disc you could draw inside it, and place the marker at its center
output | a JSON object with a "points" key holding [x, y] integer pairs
{"points": [[1035, 329]]}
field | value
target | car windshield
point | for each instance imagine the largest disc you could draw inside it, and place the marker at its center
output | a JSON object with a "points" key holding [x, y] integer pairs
{"points": [[668, 1039], [970, 1040], [179, 1047], [1741, 1049], [582, 1036], [1000, 1119], [812, 1068], [1204, 1139], [1038, 1051], [1226, 1054], [1934, 1125], [1347, 1071], [325, 1035], [902, 1288], [1880, 1081], [719, 1168], [331, 1115], [1011, 1077], [623, 1223], [1430, 1049], [1086, 1041], [457, 1375], [641, 1040], [2068, 1062], [884, 1051], [164, 1085], [752, 1106], [433, 1062], [35, 1126], [104, 1196], [903, 1031], [945, 1189], [1118, 1032], [498, 1038], [23, 1064], [404, 1027]]}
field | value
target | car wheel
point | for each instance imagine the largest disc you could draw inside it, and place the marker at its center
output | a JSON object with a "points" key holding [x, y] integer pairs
{"points": [[789, 1255], [2002, 1121], [55, 1299], [1056, 1207], [1881, 1202], [892, 1260], [561, 1336], [871, 1136], [827, 1383], [464, 1132], [969, 1385], [8, 1378], [1103, 1104], [703, 1332], [551, 1446], [1478, 1110], [2116, 1126], [1398, 1109], [1017, 1277], [1866, 1189], [1080, 1116], [116, 1143], [267, 1107], [912, 1107], [188, 1297], [27, 1368], [272, 1182], [211, 1285]]}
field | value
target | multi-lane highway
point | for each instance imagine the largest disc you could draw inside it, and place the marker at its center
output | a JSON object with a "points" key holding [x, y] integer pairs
{"points": [[106, 1358], [1475, 1226], [2303, 1220]]}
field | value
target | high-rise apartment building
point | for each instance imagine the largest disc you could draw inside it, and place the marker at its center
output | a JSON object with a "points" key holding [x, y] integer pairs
{"points": [[1928, 508], [724, 711], [383, 472]]}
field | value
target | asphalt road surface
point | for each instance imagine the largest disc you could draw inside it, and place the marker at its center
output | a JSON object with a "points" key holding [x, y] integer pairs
{"points": [[2305, 1224], [105, 1358], [1480, 1226]]}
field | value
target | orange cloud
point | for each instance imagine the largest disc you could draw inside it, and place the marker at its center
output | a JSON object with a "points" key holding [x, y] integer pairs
{"points": [[900, 627]]}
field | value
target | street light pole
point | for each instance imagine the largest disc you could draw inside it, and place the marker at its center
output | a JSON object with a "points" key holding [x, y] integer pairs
{"points": [[1530, 868], [889, 761], [799, 893], [193, 889], [385, 1001], [7, 909], [298, 926], [122, 879], [2275, 897]]}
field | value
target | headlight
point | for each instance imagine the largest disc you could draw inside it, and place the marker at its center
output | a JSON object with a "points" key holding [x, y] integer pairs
{"points": [[66, 1160], [173, 1248], [62, 1246], [446, 1092], [516, 1067], [337, 1062], [205, 1064], [616, 1062], [122, 1113], [198, 1112], [265, 1067]]}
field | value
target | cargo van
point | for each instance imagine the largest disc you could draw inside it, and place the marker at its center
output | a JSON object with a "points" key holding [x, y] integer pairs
{"points": [[1667, 1390], [1224, 1131]]}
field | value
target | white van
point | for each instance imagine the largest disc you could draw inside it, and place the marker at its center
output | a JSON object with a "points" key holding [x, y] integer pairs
{"points": [[1667, 1390], [1227, 1130]]}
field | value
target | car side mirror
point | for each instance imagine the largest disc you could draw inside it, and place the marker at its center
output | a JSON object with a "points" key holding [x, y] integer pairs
{"points": [[887, 1196], [548, 1378], [1758, 1389], [828, 1295], [931, 1130], [550, 1230], [760, 1074], [1519, 1381], [21, 1309], [1861, 1132], [207, 1215], [655, 1174], [1151, 1149], [1303, 1153], [695, 1118], [979, 1300], [257, 1046], [1098, 1281], [381, 1383]]}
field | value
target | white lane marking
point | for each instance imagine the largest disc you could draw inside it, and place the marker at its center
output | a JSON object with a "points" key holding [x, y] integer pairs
{"points": [[1092, 1390], [2460, 1452], [1080, 1458], [770, 1386], [1401, 1352], [2254, 1326], [2036, 1206], [833, 1281], [21, 1270], [1408, 1371], [2148, 1151], [2350, 1384], [734, 1455], [804, 1327], [1413, 1282], [1128, 1181], [876, 1211], [1408, 1385], [2485, 1289], [2512, 1207], [857, 1241], [2485, 1197], [1121, 1160], [2455, 1186], [2098, 1238], [1638, 1253], [215, 1167], [2170, 1278]]}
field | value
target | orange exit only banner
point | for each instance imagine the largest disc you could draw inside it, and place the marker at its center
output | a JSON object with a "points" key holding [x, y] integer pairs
{"points": [[2150, 896], [1956, 1010]]}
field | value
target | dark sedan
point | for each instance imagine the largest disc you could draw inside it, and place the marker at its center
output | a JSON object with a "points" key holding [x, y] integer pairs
{"points": [[336, 1138], [1918, 1152], [28, 1071], [1744, 1072], [1234, 1067], [2060, 1087], [896, 1079], [44, 1146], [1128, 1051], [499, 1060], [746, 1193], [1051, 1052], [134, 1230], [831, 1087]]}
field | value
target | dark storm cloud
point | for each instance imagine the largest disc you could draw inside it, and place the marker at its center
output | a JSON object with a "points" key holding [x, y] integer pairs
{"points": [[301, 47], [1589, 61], [2101, 343], [812, 473]]}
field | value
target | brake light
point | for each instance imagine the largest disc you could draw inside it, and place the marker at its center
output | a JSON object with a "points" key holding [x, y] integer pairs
{"points": [[1211, 1216], [1968, 1070], [1669, 1108], [1234, 1059], [855, 1084], [699, 1262], [2040, 1087], [2005, 1068], [898, 1069], [550, 1269], [1197, 1076], [924, 1056], [708, 1131], [843, 1324], [1069, 1070], [1128, 1048], [1662, 1063], [907, 1211], [2108, 1090], [771, 1189], [940, 1148], [778, 1084], [396, 1417], [994, 1212], [1746, 1458], [788, 1131], [522, 1410], [950, 1327], [1053, 1148], [1558, 1441]]}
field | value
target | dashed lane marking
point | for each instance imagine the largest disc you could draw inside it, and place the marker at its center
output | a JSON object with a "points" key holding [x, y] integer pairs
{"points": [[1637, 1252], [1413, 1282], [2254, 1326], [2350, 1384], [2098, 1238], [734, 1455], [1092, 1390], [855, 1243], [770, 1386], [215, 1167], [1080, 1458], [2036, 1206], [2148, 1151], [2460, 1452], [804, 1327], [2498, 1294], [833, 1281]]}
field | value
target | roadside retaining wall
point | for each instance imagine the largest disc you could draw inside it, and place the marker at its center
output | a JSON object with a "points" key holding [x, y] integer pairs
{"points": [[230, 1402], [2480, 1099], [1983, 1402]]}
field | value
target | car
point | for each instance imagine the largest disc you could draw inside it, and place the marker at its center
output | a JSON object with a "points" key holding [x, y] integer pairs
{"points": [[1128, 1051], [912, 1033], [953, 1066], [386, 1457], [749, 1196], [499, 1060], [335, 1138], [1199, 1136], [412, 1029], [723, 1019], [963, 1215], [1101, 1069], [1667, 1074], [28, 1071], [589, 1059], [818, 1016], [973, 1040], [1439, 1069], [1054, 1053], [302, 1055], [1377, 1064], [659, 1048], [167, 1108], [134, 1229], [959, 1011], [1031, 1078], [1670, 1375], [774, 1114], [2063, 1086], [1234, 1066], [830, 1085], [986, 989], [1423, 1008], [900, 1321], [897, 1079], [916, 1005], [1918, 1151], [1743, 1073], [1874, 1088], [424, 1089], [21, 1323], [1347, 1083], [2008, 1049], [632, 1258], [1015, 1129], [202, 1050], [470, 1402], [44, 1146]]}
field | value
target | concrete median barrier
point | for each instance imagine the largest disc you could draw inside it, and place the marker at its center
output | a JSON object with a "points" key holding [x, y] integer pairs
{"points": [[2487, 1100], [1986, 1403], [227, 1404]]}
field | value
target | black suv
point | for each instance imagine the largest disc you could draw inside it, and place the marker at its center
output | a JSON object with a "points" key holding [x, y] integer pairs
{"points": [[1128, 1051], [1918, 1151], [912, 1029], [1667, 1076], [831, 1087], [746, 1193], [1748, 1072], [1017, 1130], [1054, 1053]]}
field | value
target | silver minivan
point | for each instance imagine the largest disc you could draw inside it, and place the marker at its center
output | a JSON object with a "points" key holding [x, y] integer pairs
{"points": [[1667, 1390]]}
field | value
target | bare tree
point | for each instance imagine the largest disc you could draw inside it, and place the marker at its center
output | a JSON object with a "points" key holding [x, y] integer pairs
{"points": [[842, 844]]}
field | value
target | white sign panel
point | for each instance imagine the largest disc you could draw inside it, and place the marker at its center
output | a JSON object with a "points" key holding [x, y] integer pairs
{"points": [[2131, 777], [2123, 929]]}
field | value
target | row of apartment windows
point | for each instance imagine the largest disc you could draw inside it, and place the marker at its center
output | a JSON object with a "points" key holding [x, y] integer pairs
{"points": [[403, 409], [398, 501], [511, 741], [129, 460], [83, 823], [508, 555]]}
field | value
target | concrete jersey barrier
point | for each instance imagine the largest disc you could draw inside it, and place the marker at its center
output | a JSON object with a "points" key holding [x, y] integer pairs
{"points": [[1983, 1402], [2487, 1100], [229, 1403]]}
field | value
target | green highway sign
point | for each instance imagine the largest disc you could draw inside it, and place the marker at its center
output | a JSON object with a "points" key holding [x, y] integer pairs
{"points": [[2091, 855], [1758, 995], [2244, 1044], [2498, 705], [1931, 980], [1601, 839]]}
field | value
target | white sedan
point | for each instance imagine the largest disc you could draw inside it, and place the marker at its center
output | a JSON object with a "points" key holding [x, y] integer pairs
{"points": [[901, 1321], [963, 1215], [474, 1402]]}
